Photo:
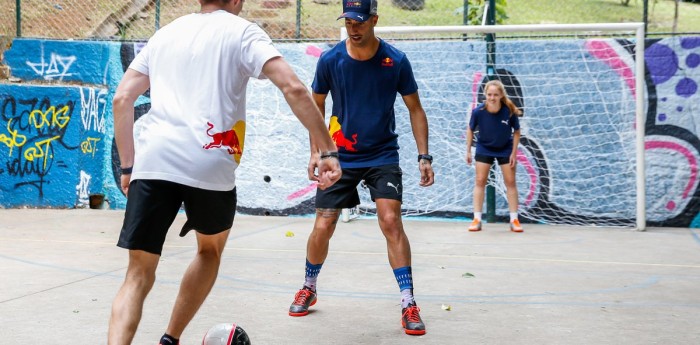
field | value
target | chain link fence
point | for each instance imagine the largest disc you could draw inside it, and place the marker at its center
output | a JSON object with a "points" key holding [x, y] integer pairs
{"points": [[309, 20]]}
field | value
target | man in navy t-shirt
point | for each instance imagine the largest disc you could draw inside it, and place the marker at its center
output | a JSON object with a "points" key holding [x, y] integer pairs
{"points": [[363, 75]]}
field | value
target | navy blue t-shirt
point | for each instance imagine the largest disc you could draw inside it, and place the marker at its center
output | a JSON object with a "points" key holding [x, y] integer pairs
{"points": [[495, 131], [362, 122]]}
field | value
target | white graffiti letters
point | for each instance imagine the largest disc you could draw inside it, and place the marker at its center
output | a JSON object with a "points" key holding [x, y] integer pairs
{"points": [[92, 110], [56, 68]]}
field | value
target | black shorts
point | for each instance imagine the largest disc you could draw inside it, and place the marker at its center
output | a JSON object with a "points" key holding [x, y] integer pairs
{"points": [[152, 206], [490, 159], [384, 182]]}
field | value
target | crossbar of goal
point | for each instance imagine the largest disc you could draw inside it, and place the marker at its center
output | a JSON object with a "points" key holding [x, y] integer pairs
{"points": [[588, 28]]}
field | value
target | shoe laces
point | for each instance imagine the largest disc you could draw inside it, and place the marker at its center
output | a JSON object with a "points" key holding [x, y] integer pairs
{"points": [[411, 314], [301, 296]]}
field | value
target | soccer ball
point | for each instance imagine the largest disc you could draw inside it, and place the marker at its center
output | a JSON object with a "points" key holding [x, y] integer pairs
{"points": [[226, 334]]}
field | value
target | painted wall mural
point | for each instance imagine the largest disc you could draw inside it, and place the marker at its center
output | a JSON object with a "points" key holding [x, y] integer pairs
{"points": [[57, 144]]}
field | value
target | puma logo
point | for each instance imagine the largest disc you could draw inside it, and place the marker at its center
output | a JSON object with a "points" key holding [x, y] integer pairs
{"points": [[389, 184], [504, 122]]}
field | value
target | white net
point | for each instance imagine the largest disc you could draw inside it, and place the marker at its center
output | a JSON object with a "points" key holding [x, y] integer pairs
{"points": [[577, 155]]}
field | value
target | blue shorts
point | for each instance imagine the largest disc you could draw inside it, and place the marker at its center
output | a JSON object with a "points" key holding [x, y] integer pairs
{"points": [[152, 206], [384, 182]]}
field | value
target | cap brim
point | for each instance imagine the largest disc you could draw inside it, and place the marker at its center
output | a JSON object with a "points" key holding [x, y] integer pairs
{"points": [[360, 17]]}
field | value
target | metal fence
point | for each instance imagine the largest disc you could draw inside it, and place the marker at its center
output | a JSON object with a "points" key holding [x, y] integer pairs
{"points": [[308, 20]]}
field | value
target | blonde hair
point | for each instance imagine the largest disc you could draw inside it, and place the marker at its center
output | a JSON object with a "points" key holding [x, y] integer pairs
{"points": [[504, 100]]}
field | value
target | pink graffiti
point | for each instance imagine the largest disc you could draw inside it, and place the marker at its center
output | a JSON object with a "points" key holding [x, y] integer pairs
{"points": [[313, 51], [692, 162], [302, 192], [603, 51], [531, 173]]}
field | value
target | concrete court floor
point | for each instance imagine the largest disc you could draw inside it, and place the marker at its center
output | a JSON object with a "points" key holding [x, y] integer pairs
{"points": [[60, 270]]}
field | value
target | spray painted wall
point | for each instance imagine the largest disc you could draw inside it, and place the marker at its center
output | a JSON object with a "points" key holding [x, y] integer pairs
{"points": [[57, 145]]}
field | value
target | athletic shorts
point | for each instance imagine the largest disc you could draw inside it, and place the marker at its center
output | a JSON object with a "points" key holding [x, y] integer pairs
{"points": [[152, 205], [384, 182], [491, 159]]}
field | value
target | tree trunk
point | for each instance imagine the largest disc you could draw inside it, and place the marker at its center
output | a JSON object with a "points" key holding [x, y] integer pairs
{"points": [[675, 16], [111, 25]]}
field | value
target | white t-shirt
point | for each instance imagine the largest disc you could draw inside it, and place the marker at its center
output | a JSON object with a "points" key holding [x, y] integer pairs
{"points": [[199, 66]]}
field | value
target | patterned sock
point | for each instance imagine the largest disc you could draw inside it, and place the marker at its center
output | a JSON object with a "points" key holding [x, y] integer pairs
{"points": [[168, 340], [407, 297], [312, 272], [404, 277]]}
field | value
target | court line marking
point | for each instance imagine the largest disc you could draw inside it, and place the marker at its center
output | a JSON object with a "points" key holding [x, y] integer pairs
{"points": [[453, 256], [456, 256]]}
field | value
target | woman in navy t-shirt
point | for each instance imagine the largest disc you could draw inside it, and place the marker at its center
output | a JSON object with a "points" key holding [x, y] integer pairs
{"points": [[499, 133]]}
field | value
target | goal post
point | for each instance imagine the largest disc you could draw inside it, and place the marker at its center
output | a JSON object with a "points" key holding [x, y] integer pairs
{"points": [[583, 121]]}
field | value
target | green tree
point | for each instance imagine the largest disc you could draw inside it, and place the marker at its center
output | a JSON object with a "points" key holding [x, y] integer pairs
{"points": [[477, 8]]}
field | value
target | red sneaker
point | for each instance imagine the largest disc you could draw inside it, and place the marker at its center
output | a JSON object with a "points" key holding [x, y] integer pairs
{"points": [[411, 321], [302, 301]]}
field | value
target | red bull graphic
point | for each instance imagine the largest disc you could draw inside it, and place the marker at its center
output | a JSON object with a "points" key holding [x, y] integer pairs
{"points": [[229, 139], [387, 62], [339, 137]]}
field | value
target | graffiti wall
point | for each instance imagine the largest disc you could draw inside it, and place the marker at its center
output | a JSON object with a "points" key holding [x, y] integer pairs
{"points": [[57, 144]]}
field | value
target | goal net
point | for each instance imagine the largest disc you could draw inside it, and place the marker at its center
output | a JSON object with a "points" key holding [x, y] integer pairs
{"points": [[581, 90]]}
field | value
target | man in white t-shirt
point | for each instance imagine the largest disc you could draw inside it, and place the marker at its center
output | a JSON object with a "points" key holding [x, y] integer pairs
{"points": [[188, 145]]}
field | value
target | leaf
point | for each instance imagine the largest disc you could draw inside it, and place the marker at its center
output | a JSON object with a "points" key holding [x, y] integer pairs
{"points": [[468, 275], [289, 234]]}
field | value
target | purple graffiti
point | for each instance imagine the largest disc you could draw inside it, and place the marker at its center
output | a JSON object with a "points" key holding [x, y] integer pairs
{"points": [[690, 42], [686, 87], [692, 60], [662, 62]]}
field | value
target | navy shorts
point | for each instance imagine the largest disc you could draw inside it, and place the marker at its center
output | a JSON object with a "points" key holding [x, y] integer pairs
{"points": [[152, 206], [384, 182], [491, 159]]}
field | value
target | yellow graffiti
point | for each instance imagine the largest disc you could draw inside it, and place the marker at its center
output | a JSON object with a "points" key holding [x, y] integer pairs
{"points": [[38, 152], [12, 140], [50, 118], [89, 145]]}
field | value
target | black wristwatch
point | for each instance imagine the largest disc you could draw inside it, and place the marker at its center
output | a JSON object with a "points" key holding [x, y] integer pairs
{"points": [[427, 157]]}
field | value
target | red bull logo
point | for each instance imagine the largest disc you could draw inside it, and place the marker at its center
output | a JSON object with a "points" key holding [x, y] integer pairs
{"points": [[387, 62], [339, 137], [228, 139]]}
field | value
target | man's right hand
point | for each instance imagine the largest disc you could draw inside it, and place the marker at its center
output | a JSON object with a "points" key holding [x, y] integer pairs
{"points": [[325, 172]]}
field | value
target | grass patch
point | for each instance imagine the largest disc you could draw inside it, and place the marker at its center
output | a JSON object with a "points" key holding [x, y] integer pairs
{"points": [[77, 18]]}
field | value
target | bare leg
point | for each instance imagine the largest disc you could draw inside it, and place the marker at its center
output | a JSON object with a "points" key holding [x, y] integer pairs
{"points": [[197, 281], [482, 176], [398, 247], [511, 187], [324, 227], [127, 306]]}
